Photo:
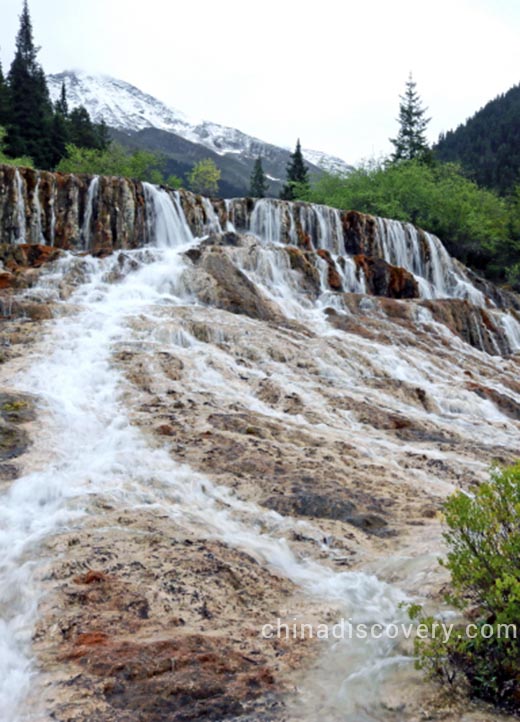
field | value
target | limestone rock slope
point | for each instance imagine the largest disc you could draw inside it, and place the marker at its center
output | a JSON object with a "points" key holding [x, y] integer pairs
{"points": [[218, 415]]}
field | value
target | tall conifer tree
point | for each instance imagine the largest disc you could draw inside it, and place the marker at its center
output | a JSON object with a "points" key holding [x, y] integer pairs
{"points": [[4, 100], [297, 174], [411, 143], [259, 184], [29, 128]]}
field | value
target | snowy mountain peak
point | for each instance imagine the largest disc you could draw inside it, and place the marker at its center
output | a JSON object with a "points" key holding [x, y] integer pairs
{"points": [[124, 107], [121, 105]]}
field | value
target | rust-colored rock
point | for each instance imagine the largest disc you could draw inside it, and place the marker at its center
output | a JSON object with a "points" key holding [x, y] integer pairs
{"points": [[91, 577], [382, 279], [333, 277]]}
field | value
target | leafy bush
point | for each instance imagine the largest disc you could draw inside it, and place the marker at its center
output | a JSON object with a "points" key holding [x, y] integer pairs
{"points": [[141, 165], [483, 539], [204, 177]]}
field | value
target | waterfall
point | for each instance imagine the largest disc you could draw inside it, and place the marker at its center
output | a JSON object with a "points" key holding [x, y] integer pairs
{"points": [[511, 327], [86, 231], [81, 387], [230, 227], [21, 216], [271, 222], [166, 222], [352, 278], [399, 244], [88, 447], [212, 224], [37, 215], [52, 208]]}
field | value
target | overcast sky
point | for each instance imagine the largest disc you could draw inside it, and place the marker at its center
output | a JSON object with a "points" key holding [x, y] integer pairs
{"points": [[328, 71]]}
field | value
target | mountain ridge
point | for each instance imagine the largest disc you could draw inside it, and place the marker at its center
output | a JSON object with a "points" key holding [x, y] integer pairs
{"points": [[128, 111]]}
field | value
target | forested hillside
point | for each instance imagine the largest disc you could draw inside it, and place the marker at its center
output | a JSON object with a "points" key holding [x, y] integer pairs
{"points": [[487, 146]]}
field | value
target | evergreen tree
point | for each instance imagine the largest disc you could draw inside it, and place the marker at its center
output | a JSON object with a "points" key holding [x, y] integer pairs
{"points": [[30, 114], [259, 184], [62, 105], [103, 135], [411, 141], [4, 100], [297, 175], [81, 130]]}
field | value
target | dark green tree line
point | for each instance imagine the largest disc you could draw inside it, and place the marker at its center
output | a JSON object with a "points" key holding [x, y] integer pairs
{"points": [[36, 128]]}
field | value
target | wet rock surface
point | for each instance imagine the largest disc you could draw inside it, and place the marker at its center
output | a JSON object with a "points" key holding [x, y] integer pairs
{"points": [[339, 432]]}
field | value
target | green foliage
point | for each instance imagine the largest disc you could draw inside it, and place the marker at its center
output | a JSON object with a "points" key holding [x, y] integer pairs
{"points": [[30, 109], [6, 160], [411, 143], [114, 160], [297, 176], [488, 144], [4, 100], [483, 539], [259, 184], [83, 133], [35, 128], [204, 178], [475, 224], [173, 181]]}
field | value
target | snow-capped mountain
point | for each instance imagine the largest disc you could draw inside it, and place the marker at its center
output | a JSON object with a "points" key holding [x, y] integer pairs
{"points": [[126, 108]]}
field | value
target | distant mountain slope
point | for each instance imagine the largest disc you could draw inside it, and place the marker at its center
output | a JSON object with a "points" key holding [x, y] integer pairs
{"points": [[142, 121], [488, 144]]}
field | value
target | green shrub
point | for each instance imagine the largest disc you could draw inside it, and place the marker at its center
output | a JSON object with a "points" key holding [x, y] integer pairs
{"points": [[115, 160], [483, 539]]}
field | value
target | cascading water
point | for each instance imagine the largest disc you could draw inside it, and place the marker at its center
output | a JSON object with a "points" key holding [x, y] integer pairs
{"points": [[20, 208], [37, 216], [212, 224], [94, 448], [166, 222], [86, 230], [87, 444], [399, 244]]}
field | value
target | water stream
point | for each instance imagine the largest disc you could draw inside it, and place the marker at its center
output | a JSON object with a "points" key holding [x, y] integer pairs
{"points": [[87, 445]]}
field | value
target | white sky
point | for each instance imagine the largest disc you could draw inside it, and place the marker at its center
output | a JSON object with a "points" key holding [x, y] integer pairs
{"points": [[329, 72]]}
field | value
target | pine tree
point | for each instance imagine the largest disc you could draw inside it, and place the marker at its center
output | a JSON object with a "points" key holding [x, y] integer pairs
{"points": [[60, 134], [103, 135], [62, 105], [82, 131], [30, 115], [259, 184], [411, 141], [4, 100], [297, 175]]}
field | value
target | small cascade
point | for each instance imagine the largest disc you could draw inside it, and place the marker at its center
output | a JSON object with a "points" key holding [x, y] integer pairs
{"points": [[86, 232], [272, 223], [511, 328], [52, 211], [36, 217], [352, 278], [421, 253], [230, 227], [212, 223], [20, 209], [167, 226], [323, 226]]}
